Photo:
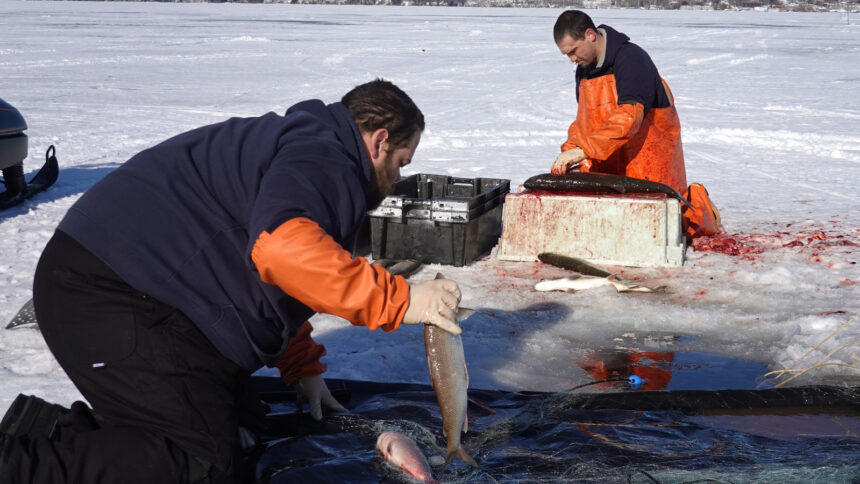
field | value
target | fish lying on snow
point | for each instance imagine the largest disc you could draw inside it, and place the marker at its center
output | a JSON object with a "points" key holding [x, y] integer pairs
{"points": [[403, 452], [572, 264], [599, 183], [582, 282], [447, 363]]}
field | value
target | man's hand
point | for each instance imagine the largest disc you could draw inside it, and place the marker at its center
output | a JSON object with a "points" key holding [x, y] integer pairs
{"points": [[434, 302], [567, 160], [313, 390]]}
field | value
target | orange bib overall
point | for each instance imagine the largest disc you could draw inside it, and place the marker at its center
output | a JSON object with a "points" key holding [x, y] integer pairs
{"points": [[623, 140]]}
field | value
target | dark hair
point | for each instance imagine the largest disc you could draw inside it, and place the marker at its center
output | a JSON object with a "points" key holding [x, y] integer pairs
{"points": [[380, 104], [573, 23]]}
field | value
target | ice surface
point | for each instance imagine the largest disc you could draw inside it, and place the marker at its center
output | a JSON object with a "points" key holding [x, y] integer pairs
{"points": [[771, 126]]}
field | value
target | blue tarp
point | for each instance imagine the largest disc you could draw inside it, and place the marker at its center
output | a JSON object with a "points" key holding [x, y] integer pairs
{"points": [[785, 435]]}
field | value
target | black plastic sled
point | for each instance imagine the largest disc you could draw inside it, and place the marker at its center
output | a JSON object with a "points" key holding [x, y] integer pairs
{"points": [[13, 150], [18, 189], [25, 316]]}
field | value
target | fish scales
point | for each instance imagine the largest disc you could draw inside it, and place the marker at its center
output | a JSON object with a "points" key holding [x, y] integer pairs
{"points": [[446, 362], [599, 183]]}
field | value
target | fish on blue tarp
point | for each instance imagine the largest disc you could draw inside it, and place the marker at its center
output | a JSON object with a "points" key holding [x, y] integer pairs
{"points": [[402, 452]]}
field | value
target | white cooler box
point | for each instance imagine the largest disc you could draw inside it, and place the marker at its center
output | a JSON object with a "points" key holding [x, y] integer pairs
{"points": [[642, 229]]}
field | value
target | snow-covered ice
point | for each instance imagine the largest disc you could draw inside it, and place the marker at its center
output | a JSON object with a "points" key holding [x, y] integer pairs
{"points": [[771, 125]]}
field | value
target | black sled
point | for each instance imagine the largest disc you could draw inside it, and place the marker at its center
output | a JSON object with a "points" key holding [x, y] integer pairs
{"points": [[13, 150]]}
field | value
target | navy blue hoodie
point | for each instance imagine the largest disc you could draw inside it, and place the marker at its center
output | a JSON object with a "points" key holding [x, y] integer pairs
{"points": [[636, 77], [178, 221]]}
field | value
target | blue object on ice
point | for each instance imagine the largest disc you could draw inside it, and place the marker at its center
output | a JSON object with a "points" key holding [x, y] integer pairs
{"points": [[635, 382]]}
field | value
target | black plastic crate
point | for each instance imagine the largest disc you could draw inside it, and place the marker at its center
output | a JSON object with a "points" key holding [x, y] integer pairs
{"points": [[439, 219]]}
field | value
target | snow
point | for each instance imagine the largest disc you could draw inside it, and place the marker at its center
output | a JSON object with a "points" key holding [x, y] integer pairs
{"points": [[770, 114]]}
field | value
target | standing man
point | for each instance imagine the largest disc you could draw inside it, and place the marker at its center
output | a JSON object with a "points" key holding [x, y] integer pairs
{"points": [[626, 122], [197, 262]]}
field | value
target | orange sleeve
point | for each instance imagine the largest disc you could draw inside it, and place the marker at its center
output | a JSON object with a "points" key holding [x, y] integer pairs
{"points": [[605, 140], [302, 356], [570, 143], [307, 263]]}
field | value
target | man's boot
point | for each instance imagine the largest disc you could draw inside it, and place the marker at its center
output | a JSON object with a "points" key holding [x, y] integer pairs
{"points": [[33, 417]]}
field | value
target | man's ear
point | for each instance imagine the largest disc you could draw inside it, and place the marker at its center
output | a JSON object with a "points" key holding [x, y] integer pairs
{"points": [[375, 142]]}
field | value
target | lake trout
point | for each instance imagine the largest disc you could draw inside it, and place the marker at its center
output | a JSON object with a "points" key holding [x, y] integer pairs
{"points": [[403, 452], [447, 364], [600, 183]]}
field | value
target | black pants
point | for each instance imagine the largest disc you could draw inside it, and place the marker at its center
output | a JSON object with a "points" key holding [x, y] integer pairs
{"points": [[168, 403]]}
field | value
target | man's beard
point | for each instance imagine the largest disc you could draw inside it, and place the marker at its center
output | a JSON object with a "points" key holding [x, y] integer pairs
{"points": [[374, 195]]}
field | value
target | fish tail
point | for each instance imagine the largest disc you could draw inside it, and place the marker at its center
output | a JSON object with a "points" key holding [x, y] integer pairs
{"points": [[461, 453]]}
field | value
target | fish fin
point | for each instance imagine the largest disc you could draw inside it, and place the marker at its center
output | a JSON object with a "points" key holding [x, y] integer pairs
{"points": [[464, 314], [462, 454], [573, 278], [466, 373], [640, 288]]}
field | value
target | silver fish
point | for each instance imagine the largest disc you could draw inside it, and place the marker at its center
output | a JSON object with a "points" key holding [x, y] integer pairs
{"points": [[447, 363], [402, 452], [582, 282]]}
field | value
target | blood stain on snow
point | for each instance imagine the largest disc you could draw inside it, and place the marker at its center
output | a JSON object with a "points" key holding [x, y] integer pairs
{"points": [[812, 242]]}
